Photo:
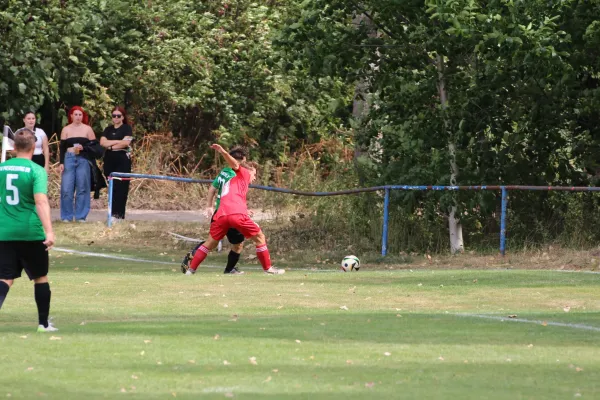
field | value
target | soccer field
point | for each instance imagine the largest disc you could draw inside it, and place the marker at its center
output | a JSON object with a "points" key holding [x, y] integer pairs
{"points": [[143, 331]]}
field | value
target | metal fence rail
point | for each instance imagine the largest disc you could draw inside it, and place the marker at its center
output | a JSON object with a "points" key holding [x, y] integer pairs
{"points": [[386, 200]]}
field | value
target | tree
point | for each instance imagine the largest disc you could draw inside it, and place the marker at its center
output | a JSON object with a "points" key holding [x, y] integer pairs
{"points": [[495, 90]]}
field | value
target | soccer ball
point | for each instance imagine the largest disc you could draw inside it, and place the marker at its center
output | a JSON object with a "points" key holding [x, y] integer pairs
{"points": [[350, 263]]}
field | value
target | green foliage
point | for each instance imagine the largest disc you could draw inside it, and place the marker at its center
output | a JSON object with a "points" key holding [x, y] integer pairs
{"points": [[205, 71], [522, 81], [508, 92]]}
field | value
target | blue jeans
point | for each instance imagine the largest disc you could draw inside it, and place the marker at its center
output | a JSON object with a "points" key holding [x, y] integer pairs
{"points": [[75, 185]]}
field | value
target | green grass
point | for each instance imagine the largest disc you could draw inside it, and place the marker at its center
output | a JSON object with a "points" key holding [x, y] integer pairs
{"points": [[134, 330]]}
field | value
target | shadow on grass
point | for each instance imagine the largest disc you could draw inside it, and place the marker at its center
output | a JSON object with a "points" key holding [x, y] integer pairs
{"points": [[447, 278], [356, 329]]}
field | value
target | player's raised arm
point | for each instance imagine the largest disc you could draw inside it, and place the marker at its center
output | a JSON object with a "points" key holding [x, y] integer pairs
{"points": [[43, 211], [233, 163]]}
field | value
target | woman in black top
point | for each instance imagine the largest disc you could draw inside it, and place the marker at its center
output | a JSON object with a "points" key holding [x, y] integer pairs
{"points": [[75, 184], [117, 139]]}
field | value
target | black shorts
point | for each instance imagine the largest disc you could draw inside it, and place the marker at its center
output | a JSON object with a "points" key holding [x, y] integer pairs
{"points": [[233, 235], [39, 159], [16, 256]]}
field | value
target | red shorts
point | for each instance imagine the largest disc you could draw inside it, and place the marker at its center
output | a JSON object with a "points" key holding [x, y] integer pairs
{"points": [[241, 222]]}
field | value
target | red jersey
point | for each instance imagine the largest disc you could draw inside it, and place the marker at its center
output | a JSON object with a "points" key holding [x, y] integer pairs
{"points": [[233, 194]]}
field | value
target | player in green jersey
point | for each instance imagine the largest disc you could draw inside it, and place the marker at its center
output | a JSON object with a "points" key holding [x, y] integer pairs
{"points": [[219, 187], [25, 225]]}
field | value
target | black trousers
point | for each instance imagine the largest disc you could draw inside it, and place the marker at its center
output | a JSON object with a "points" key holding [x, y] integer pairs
{"points": [[118, 161], [39, 159]]}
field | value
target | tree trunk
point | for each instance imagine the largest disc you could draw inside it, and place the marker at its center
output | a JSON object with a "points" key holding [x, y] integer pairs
{"points": [[454, 225], [360, 105]]}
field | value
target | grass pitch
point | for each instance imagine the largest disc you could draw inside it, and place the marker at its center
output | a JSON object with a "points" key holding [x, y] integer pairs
{"points": [[137, 330]]}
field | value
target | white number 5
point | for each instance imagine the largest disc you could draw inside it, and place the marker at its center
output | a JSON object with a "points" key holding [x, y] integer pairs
{"points": [[14, 200]]}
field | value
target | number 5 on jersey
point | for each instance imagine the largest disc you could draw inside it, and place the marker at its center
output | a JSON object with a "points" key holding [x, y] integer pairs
{"points": [[14, 199]]}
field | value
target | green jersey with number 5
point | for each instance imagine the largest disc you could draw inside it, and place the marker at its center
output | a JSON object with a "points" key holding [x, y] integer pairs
{"points": [[20, 179], [221, 183]]}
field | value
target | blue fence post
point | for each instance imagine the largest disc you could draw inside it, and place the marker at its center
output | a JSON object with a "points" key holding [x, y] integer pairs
{"points": [[503, 221], [110, 197], [384, 236]]}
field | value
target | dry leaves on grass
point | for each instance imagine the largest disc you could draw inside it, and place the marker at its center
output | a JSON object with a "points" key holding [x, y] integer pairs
{"points": [[253, 361]]}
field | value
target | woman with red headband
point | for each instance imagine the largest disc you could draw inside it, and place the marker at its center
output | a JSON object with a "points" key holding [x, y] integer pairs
{"points": [[75, 185]]}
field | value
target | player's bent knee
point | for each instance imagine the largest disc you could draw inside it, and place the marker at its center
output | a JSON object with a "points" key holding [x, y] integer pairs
{"points": [[211, 243], [42, 279], [259, 239], [237, 248]]}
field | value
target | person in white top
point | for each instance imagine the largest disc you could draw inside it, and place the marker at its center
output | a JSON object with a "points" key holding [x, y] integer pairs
{"points": [[41, 154]]}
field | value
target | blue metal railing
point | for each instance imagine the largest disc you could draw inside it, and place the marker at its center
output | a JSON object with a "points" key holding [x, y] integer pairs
{"points": [[386, 200]]}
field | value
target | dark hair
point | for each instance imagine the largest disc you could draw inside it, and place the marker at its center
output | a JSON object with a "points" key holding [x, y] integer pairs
{"points": [[239, 152], [24, 140], [30, 112], [250, 164], [123, 112]]}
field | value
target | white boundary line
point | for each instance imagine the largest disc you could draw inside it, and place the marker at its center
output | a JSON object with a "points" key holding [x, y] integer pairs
{"points": [[109, 256], [113, 257], [531, 321]]}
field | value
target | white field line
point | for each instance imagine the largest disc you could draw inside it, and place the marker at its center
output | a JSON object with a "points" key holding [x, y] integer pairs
{"points": [[122, 258], [532, 321], [109, 256]]}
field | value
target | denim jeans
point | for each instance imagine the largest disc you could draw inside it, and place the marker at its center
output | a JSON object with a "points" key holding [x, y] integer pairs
{"points": [[75, 185]]}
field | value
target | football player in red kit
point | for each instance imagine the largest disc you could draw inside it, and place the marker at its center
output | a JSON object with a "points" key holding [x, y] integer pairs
{"points": [[233, 213]]}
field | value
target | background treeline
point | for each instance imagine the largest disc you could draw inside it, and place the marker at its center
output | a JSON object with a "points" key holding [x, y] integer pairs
{"points": [[202, 70], [403, 92]]}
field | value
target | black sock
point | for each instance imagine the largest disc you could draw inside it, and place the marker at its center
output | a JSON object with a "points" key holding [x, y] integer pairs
{"points": [[4, 288], [232, 260], [42, 299]]}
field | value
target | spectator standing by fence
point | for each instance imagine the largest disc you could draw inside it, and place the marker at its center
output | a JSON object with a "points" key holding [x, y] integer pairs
{"points": [[75, 186], [41, 154], [117, 140]]}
